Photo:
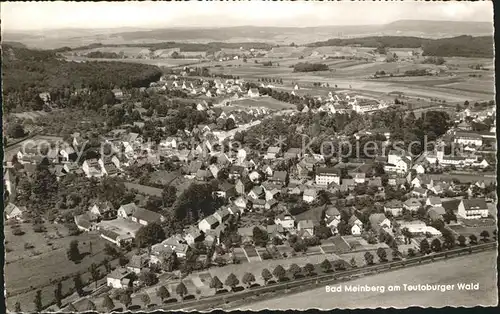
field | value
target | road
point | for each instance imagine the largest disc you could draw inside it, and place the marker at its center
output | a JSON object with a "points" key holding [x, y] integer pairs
{"points": [[464, 269]]}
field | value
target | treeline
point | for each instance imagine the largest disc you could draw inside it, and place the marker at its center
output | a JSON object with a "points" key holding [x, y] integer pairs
{"points": [[27, 73], [309, 67], [209, 47], [103, 54], [461, 46]]}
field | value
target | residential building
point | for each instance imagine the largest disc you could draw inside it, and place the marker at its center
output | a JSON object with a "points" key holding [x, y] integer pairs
{"points": [[285, 220], [119, 278], [379, 222], [13, 212], [395, 207], [208, 223], [306, 226], [473, 208], [325, 176], [146, 217], [412, 204], [273, 152], [310, 195], [126, 211]]}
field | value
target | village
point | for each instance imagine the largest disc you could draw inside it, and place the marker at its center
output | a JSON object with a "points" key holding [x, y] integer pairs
{"points": [[276, 205]]}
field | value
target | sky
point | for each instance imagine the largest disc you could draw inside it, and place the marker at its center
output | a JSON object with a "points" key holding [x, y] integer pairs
{"points": [[18, 16]]}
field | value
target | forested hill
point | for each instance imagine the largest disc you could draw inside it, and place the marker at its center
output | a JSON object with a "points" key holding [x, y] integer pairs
{"points": [[461, 46], [26, 73], [23, 68]]}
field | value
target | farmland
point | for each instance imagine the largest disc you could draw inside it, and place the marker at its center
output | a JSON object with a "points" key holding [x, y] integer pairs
{"points": [[156, 62], [442, 272], [267, 102]]}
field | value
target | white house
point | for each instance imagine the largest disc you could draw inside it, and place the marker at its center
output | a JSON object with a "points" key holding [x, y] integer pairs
{"points": [[473, 208], [208, 223], [253, 92], [119, 278], [325, 176], [309, 195], [395, 207], [467, 138], [285, 220], [93, 168], [126, 211], [13, 212]]}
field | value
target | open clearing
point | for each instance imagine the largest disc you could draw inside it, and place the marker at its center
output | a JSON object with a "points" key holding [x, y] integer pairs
{"points": [[463, 269]]}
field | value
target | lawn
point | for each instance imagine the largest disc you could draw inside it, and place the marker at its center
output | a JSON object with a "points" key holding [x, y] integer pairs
{"points": [[313, 214], [24, 276]]}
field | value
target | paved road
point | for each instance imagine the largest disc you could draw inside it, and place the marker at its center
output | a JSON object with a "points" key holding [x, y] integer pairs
{"points": [[478, 268]]}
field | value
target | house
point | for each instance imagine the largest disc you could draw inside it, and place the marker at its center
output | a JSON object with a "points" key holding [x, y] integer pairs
{"points": [[293, 153], [257, 192], [285, 220], [473, 208], [84, 222], [126, 211], [412, 204], [279, 178], [253, 92], [306, 226], [419, 169], [235, 210], [270, 204], [203, 175], [356, 225], [208, 223], [137, 263], [110, 169], [169, 142], [433, 201], [236, 171], [395, 207], [225, 190], [359, 178], [309, 195], [240, 187], [273, 152], [379, 222], [146, 217], [331, 212], [118, 93], [258, 203], [419, 192], [92, 168], [222, 215], [468, 138], [119, 278], [325, 176], [100, 209], [192, 235], [436, 212], [13, 212], [268, 170], [240, 202]]}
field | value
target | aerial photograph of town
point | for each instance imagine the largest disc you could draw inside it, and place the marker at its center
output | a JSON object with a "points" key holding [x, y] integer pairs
{"points": [[198, 156]]}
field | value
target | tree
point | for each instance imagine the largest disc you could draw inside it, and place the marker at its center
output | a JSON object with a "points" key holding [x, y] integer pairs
{"points": [[484, 235], [309, 269], [107, 265], [15, 130], [411, 252], [353, 263], [369, 258], [396, 254], [326, 266], [472, 239], [248, 279], [148, 235], [17, 307], [215, 283], [148, 278], [94, 273], [73, 252], [145, 299], [260, 237], [279, 272], [58, 294], [295, 270], [162, 293], [382, 254], [168, 195], [436, 245], [78, 284], [461, 240], [108, 303], [266, 275], [231, 281], [181, 289], [38, 301], [125, 299], [424, 247]]}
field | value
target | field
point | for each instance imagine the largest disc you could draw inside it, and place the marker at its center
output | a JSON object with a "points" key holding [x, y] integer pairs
{"points": [[29, 272], [266, 102], [157, 62], [457, 270]]}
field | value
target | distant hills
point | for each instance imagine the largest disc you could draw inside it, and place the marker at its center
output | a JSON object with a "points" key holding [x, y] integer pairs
{"points": [[459, 46], [277, 35]]}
